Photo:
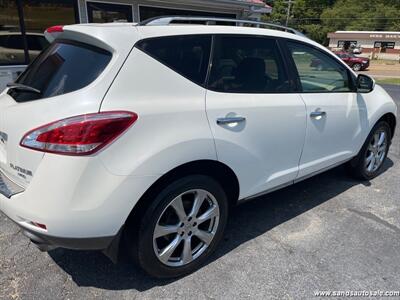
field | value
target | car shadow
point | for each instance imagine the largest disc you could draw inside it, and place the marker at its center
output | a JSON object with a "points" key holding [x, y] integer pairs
{"points": [[248, 221]]}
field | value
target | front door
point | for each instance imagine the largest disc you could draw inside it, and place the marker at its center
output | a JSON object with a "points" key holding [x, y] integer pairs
{"points": [[336, 116], [257, 121]]}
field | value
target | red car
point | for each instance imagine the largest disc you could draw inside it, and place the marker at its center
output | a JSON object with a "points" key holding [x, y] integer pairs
{"points": [[354, 62]]}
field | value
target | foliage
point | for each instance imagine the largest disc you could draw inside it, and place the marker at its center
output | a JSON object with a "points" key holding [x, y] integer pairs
{"points": [[318, 17], [394, 81]]}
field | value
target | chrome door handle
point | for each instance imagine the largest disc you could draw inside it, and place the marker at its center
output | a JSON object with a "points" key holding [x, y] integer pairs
{"points": [[229, 120], [317, 114]]}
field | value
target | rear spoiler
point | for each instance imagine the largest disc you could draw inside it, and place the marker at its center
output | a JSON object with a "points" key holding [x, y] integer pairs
{"points": [[53, 32]]}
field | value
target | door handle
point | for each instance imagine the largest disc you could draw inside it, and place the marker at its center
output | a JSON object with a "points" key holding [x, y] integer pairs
{"points": [[317, 114], [229, 120]]}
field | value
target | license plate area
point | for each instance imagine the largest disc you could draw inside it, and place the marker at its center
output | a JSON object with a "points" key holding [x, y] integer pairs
{"points": [[8, 188]]}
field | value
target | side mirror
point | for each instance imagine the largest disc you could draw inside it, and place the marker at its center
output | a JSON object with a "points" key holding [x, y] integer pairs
{"points": [[365, 83]]}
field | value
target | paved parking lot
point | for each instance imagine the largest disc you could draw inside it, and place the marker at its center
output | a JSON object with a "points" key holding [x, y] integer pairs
{"points": [[326, 233]]}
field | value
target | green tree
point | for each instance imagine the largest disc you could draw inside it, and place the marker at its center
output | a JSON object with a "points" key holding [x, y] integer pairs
{"points": [[354, 15], [318, 17]]}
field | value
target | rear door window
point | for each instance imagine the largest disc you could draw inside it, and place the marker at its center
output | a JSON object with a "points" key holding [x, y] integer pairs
{"points": [[186, 55], [64, 67]]}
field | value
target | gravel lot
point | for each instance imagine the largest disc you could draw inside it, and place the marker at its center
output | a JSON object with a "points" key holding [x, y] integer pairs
{"points": [[379, 69], [326, 233]]}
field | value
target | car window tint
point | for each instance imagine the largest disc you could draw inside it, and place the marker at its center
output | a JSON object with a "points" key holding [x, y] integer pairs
{"points": [[15, 42], [62, 68], [42, 42], [3, 41], [318, 71], [246, 64], [11, 53], [187, 55], [35, 43]]}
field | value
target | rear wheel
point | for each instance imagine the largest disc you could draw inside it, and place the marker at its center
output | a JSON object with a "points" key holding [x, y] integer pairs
{"points": [[182, 227], [368, 162]]}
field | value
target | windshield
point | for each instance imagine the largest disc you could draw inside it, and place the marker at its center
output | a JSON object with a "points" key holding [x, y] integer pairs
{"points": [[64, 67]]}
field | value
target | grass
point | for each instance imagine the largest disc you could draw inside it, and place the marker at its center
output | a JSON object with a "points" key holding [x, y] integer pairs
{"points": [[395, 81]]}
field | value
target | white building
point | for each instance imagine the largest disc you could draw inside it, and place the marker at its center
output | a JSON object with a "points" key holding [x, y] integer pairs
{"points": [[380, 44]]}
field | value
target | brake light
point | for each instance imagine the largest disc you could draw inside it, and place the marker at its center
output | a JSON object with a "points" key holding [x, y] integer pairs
{"points": [[57, 28], [80, 135]]}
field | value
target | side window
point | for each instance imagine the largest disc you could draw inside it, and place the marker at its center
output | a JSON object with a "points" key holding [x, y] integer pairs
{"points": [[317, 71], [42, 42], [247, 64], [11, 50], [186, 55], [35, 43], [15, 42], [3, 41]]}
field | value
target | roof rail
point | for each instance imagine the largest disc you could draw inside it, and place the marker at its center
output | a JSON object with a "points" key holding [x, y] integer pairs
{"points": [[167, 20]]}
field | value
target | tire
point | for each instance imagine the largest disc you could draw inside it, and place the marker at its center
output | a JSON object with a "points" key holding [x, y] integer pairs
{"points": [[374, 150], [187, 228], [356, 67]]}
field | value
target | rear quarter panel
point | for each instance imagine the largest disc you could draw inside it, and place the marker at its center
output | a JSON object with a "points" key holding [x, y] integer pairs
{"points": [[172, 128]]}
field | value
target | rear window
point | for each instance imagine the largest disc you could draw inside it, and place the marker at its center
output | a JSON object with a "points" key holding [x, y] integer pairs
{"points": [[64, 67], [186, 55]]}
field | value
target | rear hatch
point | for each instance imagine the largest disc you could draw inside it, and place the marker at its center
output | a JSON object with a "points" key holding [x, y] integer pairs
{"points": [[73, 75]]}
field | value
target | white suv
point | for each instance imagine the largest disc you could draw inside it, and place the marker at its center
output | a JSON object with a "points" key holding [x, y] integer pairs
{"points": [[144, 135]]}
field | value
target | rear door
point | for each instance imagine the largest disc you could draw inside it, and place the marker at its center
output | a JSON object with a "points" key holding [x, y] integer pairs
{"points": [[65, 74], [336, 117], [257, 119]]}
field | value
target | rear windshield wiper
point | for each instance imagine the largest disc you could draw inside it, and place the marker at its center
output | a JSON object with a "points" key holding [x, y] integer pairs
{"points": [[23, 87]]}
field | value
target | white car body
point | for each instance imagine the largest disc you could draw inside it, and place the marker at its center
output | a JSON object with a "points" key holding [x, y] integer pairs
{"points": [[89, 198]]}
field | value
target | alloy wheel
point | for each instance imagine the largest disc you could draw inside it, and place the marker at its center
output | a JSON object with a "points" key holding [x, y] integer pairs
{"points": [[376, 151], [186, 228]]}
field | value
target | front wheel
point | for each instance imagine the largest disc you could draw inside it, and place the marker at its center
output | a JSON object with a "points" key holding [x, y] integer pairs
{"points": [[367, 164], [182, 227]]}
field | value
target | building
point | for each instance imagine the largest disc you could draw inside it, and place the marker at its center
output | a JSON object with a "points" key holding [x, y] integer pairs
{"points": [[379, 44], [32, 17], [139, 10]]}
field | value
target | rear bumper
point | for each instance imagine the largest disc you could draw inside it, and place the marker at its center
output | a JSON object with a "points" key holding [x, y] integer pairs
{"points": [[83, 208], [46, 243]]}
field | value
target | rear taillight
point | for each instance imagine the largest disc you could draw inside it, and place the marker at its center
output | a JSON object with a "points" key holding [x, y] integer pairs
{"points": [[80, 135]]}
